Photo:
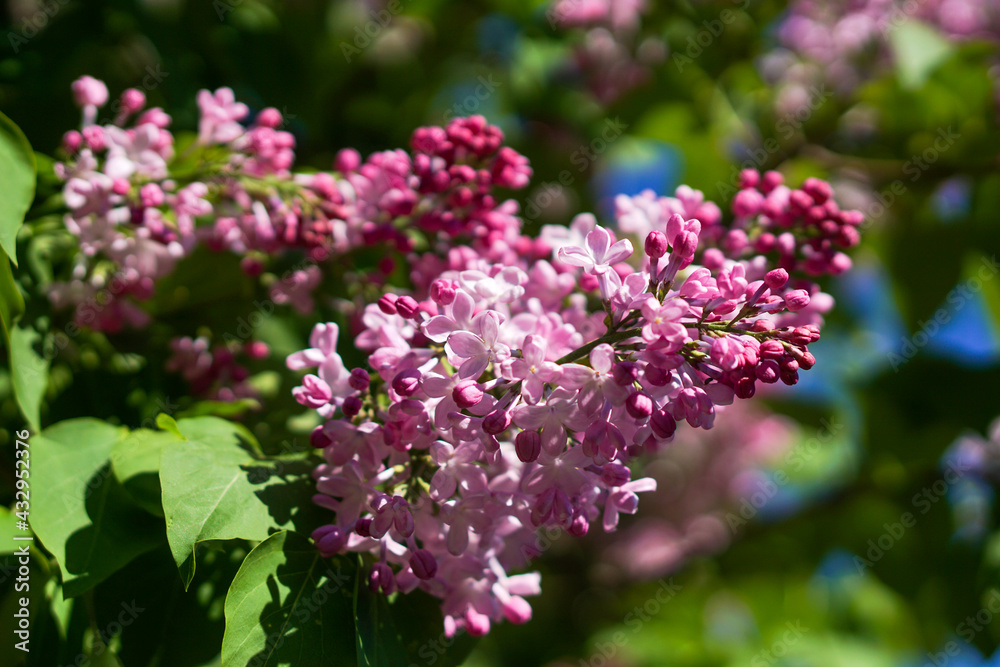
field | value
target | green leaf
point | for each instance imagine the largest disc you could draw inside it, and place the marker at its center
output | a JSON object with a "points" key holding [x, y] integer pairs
{"points": [[418, 619], [918, 50], [17, 187], [135, 460], [79, 511], [30, 373], [377, 640], [11, 301], [214, 489], [8, 531], [289, 606]]}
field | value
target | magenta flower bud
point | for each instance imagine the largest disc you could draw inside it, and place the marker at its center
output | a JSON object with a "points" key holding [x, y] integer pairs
{"points": [[625, 373], [269, 117], [423, 564], [496, 422], [382, 577], [120, 186], [443, 292], [406, 383], [352, 406], [796, 300], [749, 178], [663, 424], [789, 377], [132, 100], [579, 526], [639, 405], [799, 202], [685, 245], [363, 527], [319, 439], [656, 244], [819, 190], [656, 376], [747, 203], [347, 160], [359, 379], [407, 307], [329, 540], [467, 394], [71, 141], [615, 474], [770, 181], [387, 304], [89, 91], [767, 371], [257, 349], [528, 445], [776, 279], [771, 349]]}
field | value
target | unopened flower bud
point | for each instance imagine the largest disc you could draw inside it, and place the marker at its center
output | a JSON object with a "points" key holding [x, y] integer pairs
{"points": [[407, 307], [443, 292], [625, 373], [269, 117], [639, 405], [423, 564], [496, 422], [359, 380], [615, 474], [663, 424], [406, 383], [656, 244], [387, 304], [796, 300], [89, 91], [352, 406], [528, 445], [467, 394], [776, 279]]}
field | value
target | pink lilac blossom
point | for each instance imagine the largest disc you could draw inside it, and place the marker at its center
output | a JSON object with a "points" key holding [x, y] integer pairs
{"points": [[137, 211], [502, 397]]}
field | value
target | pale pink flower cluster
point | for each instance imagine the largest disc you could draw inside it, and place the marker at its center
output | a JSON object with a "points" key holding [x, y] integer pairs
{"points": [[509, 394]]}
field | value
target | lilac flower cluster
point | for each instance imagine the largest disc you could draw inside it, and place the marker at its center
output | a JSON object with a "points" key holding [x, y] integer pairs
{"points": [[524, 389], [846, 42], [610, 57], [137, 208]]}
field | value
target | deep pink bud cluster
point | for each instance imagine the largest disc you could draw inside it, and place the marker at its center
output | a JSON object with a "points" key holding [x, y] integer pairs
{"points": [[802, 229], [504, 396]]}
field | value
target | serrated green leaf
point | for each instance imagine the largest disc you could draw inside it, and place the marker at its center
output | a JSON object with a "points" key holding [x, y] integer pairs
{"points": [[79, 511], [289, 606], [17, 187]]}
